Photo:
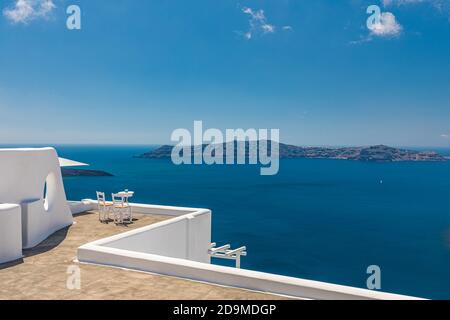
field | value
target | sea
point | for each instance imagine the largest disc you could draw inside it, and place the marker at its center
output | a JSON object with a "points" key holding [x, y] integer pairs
{"points": [[318, 219]]}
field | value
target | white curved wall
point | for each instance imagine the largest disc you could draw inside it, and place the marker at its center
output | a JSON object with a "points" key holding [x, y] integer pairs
{"points": [[24, 174]]}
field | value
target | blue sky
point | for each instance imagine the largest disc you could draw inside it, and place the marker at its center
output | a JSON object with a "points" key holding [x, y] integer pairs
{"points": [[137, 70]]}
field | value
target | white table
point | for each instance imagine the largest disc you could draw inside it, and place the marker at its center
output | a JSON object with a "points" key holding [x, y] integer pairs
{"points": [[125, 194]]}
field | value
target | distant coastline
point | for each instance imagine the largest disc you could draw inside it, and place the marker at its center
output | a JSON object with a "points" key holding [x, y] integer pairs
{"points": [[378, 153], [68, 172]]}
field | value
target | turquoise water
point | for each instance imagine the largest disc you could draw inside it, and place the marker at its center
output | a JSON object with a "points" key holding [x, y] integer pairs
{"points": [[324, 220]]}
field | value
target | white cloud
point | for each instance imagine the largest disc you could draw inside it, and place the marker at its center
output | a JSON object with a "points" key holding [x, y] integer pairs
{"points": [[259, 24], [445, 136], [268, 28], [24, 11], [387, 26]]}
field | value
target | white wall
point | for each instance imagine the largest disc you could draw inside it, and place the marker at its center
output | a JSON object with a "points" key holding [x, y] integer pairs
{"points": [[10, 235], [185, 237], [199, 236], [24, 173], [77, 207], [239, 278]]}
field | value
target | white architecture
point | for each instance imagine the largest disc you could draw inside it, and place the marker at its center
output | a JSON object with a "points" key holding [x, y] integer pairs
{"points": [[31, 188]]}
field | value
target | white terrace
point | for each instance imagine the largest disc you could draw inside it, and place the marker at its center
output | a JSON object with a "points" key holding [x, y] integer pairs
{"points": [[165, 254]]}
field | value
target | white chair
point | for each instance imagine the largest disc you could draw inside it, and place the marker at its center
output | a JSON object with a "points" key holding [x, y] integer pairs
{"points": [[121, 208], [104, 207]]}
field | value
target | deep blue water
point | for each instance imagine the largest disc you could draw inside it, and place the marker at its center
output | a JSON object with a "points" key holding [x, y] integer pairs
{"points": [[323, 220]]}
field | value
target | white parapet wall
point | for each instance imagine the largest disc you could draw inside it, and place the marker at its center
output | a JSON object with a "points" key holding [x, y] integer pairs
{"points": [[31, 178], [77, 207], [179, 247], [10, 235], [186, 236]]}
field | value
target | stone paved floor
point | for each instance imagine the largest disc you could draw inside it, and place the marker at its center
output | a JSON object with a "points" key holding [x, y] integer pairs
{"points": [[42, 274]]}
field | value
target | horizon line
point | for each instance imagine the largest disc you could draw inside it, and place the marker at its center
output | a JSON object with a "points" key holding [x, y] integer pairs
{"points": [[21, 145]]}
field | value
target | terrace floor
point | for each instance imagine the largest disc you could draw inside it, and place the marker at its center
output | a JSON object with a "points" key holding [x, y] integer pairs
{"points": [[42, 274]]}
